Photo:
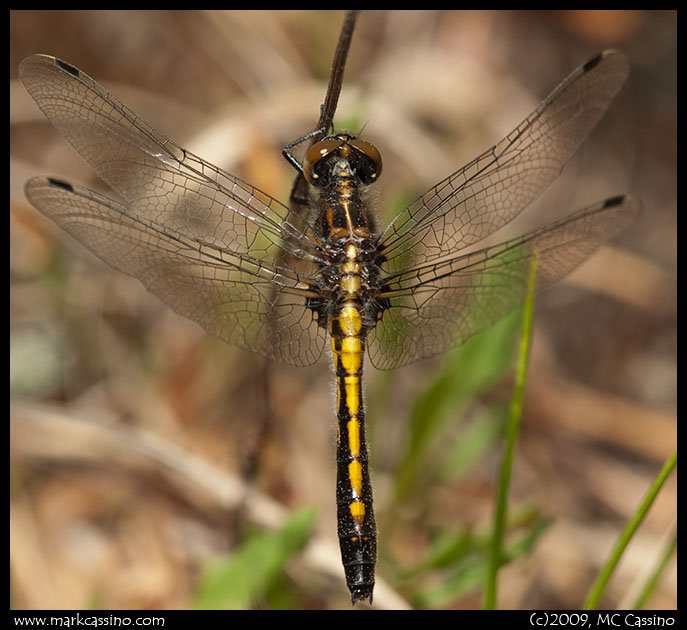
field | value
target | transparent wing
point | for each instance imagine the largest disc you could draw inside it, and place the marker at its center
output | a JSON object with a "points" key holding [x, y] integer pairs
{"points": [[227, 243], [244, 301], [437, 305], [157, 178], [490, 191]]}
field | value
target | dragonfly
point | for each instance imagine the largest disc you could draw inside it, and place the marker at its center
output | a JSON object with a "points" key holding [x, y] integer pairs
{"points": [[284, 283]]}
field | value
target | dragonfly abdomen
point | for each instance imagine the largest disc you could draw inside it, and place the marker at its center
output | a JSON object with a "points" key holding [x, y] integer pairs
{"points": [[356, 523]]}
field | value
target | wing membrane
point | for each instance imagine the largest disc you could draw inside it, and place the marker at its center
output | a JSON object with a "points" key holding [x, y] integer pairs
{"points": [[241, 300], [490, 191], [437, 305], [156, 177]]}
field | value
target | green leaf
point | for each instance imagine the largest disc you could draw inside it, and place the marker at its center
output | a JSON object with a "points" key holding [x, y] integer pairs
{"points": [[447, 550], [245, 577], [463, 558]]}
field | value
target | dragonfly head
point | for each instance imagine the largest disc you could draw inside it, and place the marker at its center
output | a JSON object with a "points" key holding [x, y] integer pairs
{"points": [[325, 159]]}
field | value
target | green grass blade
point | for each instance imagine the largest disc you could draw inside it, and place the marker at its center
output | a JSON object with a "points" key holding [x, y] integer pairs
{"points": [[652, 582], [599, 585], [500, 513]]}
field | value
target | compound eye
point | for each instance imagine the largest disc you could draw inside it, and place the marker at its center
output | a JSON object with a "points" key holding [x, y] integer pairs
{"points": [[370, 167], [314, 154]]}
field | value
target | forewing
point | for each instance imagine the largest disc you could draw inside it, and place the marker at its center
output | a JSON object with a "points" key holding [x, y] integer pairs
{"points": [[157, 178], [490, 191], [437, 305]]}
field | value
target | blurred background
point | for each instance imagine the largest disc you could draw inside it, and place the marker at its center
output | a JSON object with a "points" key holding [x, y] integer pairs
{"points": [[144, 451]]}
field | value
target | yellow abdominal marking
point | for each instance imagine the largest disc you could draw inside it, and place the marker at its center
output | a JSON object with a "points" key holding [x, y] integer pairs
{"points": [[352, 399], [355, 476], [350, 320], [351, 354], [357, 509], [354, 437]]}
